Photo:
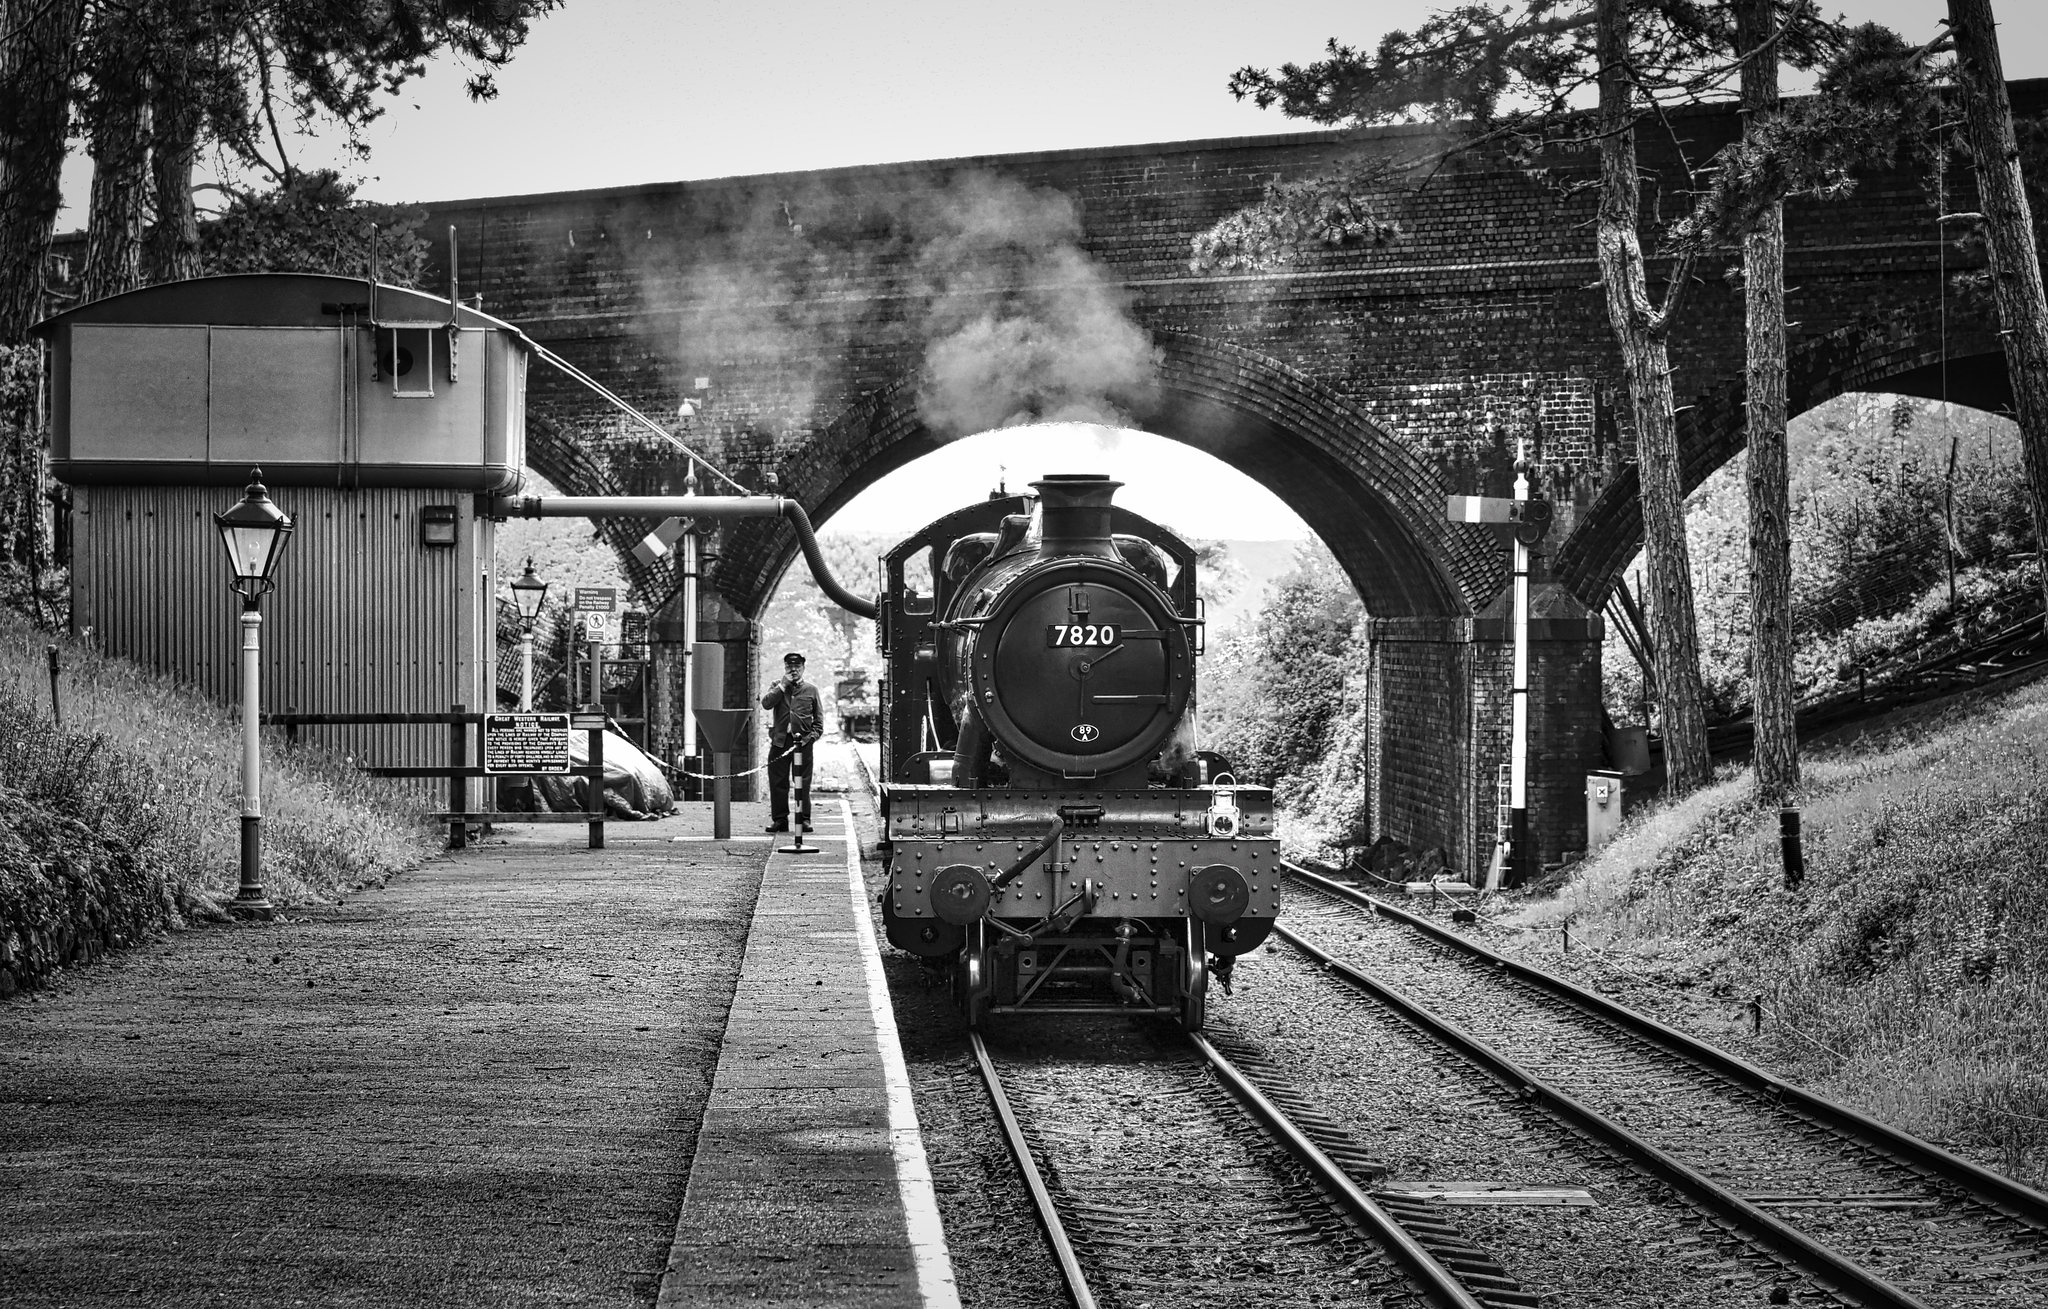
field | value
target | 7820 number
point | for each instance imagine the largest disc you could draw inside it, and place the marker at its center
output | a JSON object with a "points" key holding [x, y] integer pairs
{"points": [[1077, 635]]}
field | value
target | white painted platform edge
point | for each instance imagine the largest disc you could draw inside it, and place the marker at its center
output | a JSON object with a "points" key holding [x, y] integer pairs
{"points": [[913, 1174]]}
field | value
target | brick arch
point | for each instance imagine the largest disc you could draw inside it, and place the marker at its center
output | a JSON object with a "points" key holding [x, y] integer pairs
{"points": [[555, 451], [1376, 504], [1901, 351]]}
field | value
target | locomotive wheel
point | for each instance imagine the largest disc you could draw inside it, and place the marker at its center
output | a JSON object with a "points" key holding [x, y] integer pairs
{"points": [[973, 983], [1194, 979]]}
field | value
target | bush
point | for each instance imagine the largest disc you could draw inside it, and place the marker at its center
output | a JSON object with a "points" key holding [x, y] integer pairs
{"points": [[84, 846], [126, 821]]}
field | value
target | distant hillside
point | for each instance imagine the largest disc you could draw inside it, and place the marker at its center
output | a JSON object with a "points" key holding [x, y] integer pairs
{"points": [[1262, 562]]}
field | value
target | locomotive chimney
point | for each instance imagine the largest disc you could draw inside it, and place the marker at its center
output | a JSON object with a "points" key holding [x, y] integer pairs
{"points": [[1074, 513]]}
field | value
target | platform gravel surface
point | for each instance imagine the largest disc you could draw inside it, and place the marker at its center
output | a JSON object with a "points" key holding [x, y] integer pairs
{"points": [[479, 1085]]}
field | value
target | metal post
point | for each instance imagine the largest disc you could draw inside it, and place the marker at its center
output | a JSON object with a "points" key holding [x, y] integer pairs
{"points": [[1789, 844], [250, 901], [597, 786], [1518, 757], [526, 668], [721, 796], [56, 707], [596, 676], [458, 785]]}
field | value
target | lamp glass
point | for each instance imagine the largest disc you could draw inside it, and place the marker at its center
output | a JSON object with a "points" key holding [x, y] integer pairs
{"points": [[528, 592], [254, 534]]}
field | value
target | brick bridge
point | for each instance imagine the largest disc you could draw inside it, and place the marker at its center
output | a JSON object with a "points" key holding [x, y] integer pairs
{"points": [[846, 321]]}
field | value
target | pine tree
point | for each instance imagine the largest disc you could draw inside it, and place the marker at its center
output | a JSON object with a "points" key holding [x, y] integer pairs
{"points": [[2015, 261]]}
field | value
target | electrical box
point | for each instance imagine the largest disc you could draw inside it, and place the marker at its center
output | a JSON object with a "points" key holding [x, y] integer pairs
{"points": [[1604, 808]]}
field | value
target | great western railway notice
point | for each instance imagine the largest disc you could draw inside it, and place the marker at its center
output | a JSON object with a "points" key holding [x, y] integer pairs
{"points": [[526, 743]]}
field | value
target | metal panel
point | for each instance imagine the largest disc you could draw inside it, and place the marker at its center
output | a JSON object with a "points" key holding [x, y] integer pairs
{"points": [[364, 618], [147, 393], [274, 393]]}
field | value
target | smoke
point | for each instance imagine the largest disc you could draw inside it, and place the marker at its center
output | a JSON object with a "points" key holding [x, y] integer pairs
{"points": [[1021, 325], [788, 293]]}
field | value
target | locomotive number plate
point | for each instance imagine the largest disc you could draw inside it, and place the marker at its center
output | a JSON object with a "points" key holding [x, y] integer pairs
{"points": [[1063, 636]]}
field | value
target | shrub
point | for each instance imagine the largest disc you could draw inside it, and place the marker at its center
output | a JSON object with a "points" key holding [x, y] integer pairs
{"points": [[126, 820]]}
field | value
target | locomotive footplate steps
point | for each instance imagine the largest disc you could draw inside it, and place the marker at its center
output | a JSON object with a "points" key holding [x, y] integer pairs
{"points": [[809, 1185]]}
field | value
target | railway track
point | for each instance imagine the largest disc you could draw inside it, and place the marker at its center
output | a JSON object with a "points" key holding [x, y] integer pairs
{"points": [[1874, 1215], [1305, 1233]]}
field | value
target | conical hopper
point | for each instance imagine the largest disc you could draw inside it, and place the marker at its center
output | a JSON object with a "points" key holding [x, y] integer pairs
{"points": [[722, 728]]}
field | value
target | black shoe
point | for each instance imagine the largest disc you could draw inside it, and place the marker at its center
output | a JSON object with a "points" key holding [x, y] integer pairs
{"points": [[776, 827], [804, 826]]}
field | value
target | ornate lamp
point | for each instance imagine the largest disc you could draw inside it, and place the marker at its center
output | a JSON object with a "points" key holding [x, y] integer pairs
{"points": [[528, 594], [254, 533]]}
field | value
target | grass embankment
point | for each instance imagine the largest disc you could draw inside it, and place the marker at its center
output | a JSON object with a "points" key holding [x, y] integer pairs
{"points": [[1907, 977], [126, 821]]}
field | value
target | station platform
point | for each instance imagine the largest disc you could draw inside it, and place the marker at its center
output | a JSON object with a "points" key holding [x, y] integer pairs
{"points": [[500, 1079], [809, 1185]]}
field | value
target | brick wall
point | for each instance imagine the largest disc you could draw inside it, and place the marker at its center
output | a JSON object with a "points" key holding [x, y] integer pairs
{"points": [[1360, 384]]}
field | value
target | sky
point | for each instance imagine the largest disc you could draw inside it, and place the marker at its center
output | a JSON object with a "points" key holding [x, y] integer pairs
{"points": [[625, 92]]}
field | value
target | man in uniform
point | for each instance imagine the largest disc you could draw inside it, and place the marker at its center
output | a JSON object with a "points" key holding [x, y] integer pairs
{"points": [[799, 721]]}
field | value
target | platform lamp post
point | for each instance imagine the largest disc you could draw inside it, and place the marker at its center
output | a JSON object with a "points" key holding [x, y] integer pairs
{"points": [[528, 594], [254, 533]]}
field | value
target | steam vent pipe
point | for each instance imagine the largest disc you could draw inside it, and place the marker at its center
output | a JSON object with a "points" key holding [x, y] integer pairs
{"points": [[690, 506]]}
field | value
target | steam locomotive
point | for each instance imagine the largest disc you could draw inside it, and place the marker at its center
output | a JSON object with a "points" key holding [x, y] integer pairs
{"points": [[1055, 839]]}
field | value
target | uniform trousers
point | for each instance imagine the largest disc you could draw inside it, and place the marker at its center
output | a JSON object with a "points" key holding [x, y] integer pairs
{"points": [[785, 767]]}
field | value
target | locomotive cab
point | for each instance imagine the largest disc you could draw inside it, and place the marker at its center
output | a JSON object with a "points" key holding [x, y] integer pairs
{"points": [[1055, 839]]}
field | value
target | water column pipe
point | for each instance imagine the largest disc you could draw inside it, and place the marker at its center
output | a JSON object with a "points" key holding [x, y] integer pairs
{"points": [[714, 507]]}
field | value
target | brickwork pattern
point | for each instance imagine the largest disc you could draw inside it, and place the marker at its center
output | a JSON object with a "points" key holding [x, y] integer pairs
{"points": [[1359, 383]]}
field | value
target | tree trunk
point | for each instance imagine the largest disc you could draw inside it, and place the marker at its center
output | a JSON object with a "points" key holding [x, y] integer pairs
{"points": [[37, 40], [1770, 510], [2015, 263], [170, 249], [1646, 368], [119, 144]]}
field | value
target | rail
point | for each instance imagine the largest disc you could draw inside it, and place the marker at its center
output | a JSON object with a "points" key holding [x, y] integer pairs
{"points": [[1041, 1198], [458, 770], [2021, 1201], [1439, 1285], [1843, 1276]]}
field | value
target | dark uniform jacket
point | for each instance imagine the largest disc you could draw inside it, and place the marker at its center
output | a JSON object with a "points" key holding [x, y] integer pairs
{"points": [[799, 714]]}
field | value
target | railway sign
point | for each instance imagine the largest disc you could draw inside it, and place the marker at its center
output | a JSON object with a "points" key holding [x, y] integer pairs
{"points": [[660, 541], [596, 599], [595, 625], [526, 743]]}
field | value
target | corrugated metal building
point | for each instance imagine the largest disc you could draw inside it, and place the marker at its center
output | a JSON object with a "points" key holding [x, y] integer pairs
{"points": [[377, 416]]}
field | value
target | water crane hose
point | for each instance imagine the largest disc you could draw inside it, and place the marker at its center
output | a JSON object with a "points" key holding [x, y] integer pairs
{"points": [[692, 506], [815, 557]]}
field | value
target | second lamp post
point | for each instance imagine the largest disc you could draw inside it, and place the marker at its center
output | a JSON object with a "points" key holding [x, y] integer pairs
{"points": [[528, 593]]}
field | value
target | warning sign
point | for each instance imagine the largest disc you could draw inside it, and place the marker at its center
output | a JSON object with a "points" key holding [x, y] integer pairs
{"points": [[597, 599], [526, 743]]}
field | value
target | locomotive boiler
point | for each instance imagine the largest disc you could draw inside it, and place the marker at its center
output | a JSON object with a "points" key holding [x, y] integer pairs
{"points": [[1055, 840]]}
